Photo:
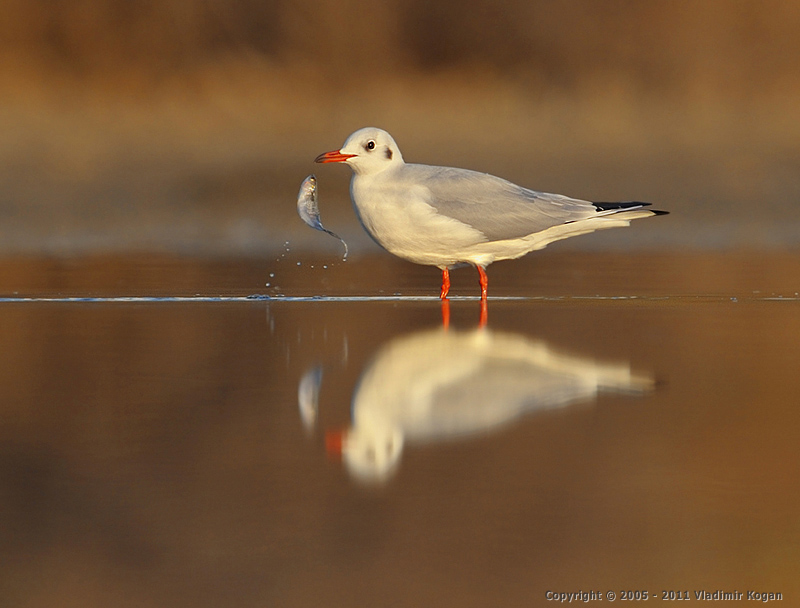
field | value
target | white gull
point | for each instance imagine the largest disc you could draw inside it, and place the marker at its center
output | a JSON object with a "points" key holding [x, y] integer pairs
{"points": [[445, 217]]}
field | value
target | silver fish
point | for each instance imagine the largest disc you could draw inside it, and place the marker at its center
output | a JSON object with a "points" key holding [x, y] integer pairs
{"points": [[308, 208]]}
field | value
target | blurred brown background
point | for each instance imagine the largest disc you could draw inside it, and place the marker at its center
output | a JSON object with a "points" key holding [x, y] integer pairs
{"points": [[187, 126], [152, 454]]}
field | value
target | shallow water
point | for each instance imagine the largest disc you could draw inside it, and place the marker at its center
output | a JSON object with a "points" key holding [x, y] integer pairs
{"points": [[185, 452]]}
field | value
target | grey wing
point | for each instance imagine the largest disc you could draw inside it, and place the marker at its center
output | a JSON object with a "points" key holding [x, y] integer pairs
{"points": [[496, 207]]}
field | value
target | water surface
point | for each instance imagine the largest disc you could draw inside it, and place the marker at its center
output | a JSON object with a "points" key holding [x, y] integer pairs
{"points": [[164, 453]]}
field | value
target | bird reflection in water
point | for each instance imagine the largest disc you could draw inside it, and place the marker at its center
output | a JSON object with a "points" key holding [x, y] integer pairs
{"points": [[443, 384]]}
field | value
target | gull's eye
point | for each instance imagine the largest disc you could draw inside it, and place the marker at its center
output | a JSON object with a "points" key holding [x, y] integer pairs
{"points": [[370, 145]]}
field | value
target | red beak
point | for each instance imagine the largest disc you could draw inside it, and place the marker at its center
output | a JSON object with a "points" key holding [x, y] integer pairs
{"points": [[334, 442], [335, 156]]}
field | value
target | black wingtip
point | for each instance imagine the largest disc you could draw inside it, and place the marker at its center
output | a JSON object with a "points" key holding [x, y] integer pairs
{"points": [[627, 205], [619, 205]]}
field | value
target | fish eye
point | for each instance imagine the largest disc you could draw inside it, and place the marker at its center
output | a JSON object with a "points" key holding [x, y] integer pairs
{"points": [[371, 144]]}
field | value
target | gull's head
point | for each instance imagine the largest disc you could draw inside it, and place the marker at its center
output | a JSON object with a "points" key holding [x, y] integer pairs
{"points": [[371, 455], [367, 151]]}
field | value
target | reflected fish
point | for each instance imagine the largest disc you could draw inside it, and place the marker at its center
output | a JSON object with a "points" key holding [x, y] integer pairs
{"points": [[308, 208], [308, 396]]}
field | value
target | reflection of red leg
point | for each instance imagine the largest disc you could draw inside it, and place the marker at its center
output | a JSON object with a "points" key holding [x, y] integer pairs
{"points": [[484, 282], [445, 283], [445, 313], [484, 313]]}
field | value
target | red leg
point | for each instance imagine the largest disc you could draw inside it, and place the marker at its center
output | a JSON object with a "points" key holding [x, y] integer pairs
{"points": [[445, 283], [484, 282], [446, 313], [484, 318]]}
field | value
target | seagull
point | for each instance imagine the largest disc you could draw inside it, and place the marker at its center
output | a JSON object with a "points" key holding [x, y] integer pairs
{"points": [[436, 385], [448, 217]]}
